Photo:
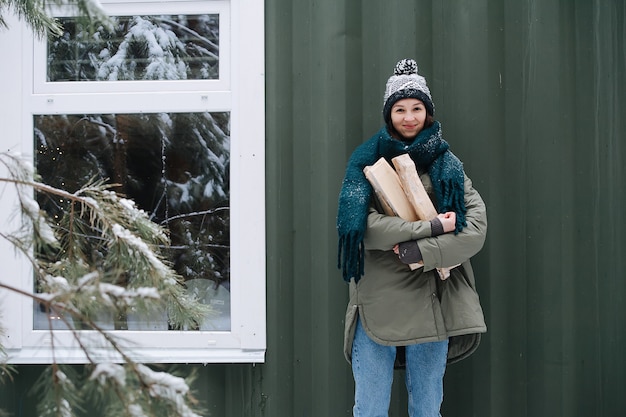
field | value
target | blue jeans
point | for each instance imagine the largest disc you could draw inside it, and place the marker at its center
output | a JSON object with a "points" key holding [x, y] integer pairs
{"points": [[372, 367]]}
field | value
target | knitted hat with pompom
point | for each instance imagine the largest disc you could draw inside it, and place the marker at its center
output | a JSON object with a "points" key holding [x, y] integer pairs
{"points": [[406, 83]]}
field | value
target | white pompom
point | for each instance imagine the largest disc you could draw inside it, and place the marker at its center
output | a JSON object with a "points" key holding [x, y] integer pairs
{"points": [[405, 67]]}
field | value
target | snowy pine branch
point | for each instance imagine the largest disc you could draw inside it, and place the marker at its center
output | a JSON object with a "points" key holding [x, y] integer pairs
{"points": [[36, 13], [101, 254]]}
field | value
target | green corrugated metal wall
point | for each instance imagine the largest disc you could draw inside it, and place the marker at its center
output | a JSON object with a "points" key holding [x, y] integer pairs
{"points": [[532, 97]]}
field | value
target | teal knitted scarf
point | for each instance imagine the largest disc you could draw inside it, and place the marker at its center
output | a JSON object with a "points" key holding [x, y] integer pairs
{"points": [[429, 151]]}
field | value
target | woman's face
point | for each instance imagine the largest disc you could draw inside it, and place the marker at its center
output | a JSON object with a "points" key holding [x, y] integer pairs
{"points": [[408, 116]]}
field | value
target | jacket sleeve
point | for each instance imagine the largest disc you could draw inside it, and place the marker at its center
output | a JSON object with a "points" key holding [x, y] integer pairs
{"points": [[383, 232], [450, 249]]}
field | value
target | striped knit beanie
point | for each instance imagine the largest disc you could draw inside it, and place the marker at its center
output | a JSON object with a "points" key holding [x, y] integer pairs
{"points": [[406, 83]]}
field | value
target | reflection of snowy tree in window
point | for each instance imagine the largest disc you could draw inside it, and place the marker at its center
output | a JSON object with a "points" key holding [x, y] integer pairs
{"points": [[141, 48], [173, 165]]}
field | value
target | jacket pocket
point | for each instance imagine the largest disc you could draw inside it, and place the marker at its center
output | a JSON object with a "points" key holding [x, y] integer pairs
{"points": [[438, 313], [460, 305]]}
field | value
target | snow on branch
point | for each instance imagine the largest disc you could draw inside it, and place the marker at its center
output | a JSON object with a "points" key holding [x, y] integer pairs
{"points": [[102, 253]]}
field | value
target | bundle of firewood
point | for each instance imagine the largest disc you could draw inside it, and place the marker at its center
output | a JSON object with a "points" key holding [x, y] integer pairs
{"points": [[401, 193]]}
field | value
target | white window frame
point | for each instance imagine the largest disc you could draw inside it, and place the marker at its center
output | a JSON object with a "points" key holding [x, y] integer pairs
{"points": [[239, 90], [117, 8]]}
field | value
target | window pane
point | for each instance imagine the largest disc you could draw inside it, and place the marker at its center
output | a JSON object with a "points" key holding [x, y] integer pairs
{"points": [[175, 166], [140, 48]]}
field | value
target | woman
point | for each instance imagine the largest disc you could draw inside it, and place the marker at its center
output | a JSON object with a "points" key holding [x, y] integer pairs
{"points": [[398, 316]]}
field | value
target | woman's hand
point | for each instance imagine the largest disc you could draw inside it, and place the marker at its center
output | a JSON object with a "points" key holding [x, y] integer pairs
{"points": [[448, 221]]}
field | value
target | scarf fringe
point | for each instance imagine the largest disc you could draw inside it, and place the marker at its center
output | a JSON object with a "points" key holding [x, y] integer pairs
{"points": [[351, 255], [453, 199]]}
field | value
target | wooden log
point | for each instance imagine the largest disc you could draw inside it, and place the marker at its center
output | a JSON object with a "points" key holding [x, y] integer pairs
{"points": [[413, 188]]}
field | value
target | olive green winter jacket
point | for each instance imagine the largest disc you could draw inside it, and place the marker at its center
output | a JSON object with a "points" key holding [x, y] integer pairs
{"points": [[398, 306]]}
